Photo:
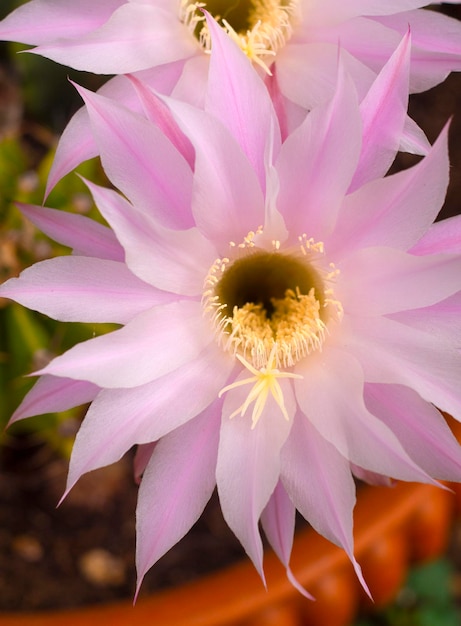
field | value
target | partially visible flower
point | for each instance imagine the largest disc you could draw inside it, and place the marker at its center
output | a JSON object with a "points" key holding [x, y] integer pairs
{"points": [[296, 40], [279, 333], [299, 36]]}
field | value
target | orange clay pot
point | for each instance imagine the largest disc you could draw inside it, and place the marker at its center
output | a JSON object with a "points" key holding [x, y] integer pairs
{"points": [[393, 528]]}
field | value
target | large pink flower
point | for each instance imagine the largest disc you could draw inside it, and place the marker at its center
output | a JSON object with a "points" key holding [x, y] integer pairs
{"points": [[279, 332]]}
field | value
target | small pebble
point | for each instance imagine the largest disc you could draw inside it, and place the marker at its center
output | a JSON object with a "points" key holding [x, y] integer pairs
{"points": [[27, 548], [102, 568]]}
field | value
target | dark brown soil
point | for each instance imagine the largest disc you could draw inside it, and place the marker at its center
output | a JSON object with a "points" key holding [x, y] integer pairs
{"points": [[83, 551]]}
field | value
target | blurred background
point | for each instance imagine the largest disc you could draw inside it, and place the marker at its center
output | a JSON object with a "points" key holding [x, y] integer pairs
{"points": [[83, 552]]}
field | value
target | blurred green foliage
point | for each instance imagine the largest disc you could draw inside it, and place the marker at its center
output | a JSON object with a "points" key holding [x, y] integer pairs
{"points": [[48, 97], [427, 599], [28, 339], [41, 100]]}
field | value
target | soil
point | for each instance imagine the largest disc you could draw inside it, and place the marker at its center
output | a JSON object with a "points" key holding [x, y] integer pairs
{"points": [[83, 551]]}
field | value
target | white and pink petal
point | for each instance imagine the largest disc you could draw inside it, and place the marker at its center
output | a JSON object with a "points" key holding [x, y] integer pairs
{"points": [[392, 352], [236, 95], [121, 418], [319, 482], [51, 394], [155, 342], [77, 144], [383, 112], [83, 289], [396, 210], [331, 397], [44, 21], [278, 522], [248, 465], [143, 35], [175, 261], [381, 281], [317, 162], [176, 485], [141, 161], [419, 426], [85, 236], [228, 201]]}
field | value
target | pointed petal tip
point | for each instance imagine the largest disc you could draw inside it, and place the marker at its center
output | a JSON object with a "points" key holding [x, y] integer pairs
{"points": [[297, 585], [138, 588], [358, 572]]}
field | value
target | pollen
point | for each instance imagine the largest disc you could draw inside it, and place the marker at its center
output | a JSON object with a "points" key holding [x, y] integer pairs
{"points": [[259, 27], [294, 327]]}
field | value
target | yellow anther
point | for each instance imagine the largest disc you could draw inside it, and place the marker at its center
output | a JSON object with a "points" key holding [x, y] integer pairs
{"points": [[269, 25]]}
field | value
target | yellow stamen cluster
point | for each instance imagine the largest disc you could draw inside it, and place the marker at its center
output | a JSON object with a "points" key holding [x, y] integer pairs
{"points": [[295, 329], [265, 28]]}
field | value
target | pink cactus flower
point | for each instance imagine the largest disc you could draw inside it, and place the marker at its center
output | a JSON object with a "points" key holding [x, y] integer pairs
{"points": [[278, 331], [295, 40], [299, 36]]}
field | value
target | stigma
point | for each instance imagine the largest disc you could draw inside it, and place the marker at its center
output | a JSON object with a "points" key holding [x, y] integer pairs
{"points": [[265, 381], [259, 27]]}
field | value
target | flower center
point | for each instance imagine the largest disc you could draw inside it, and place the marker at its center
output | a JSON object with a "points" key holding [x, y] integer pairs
{"points": [[259, 27], [269, 306]]}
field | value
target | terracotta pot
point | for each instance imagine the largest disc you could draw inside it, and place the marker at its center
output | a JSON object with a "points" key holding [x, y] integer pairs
{"points": [[393, 528]]}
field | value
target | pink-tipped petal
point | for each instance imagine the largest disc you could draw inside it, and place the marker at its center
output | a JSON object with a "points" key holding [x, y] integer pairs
{"points": [[52, 395], [319, 482], [176, 485], [442, 237], [82, 234], [142, 35], [331, 397], [380, 281], [397, 210], [237, 96], [159, 114], [391, 352], [227, 198], [154, 343], [121, 418], [42, 21], [413, 140], [317, 162], [141, 161], [83, 289], [173, 260], [423, 431], [77, 144], [278, 522], [383, 112], [436, 47], [249, 464]]}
